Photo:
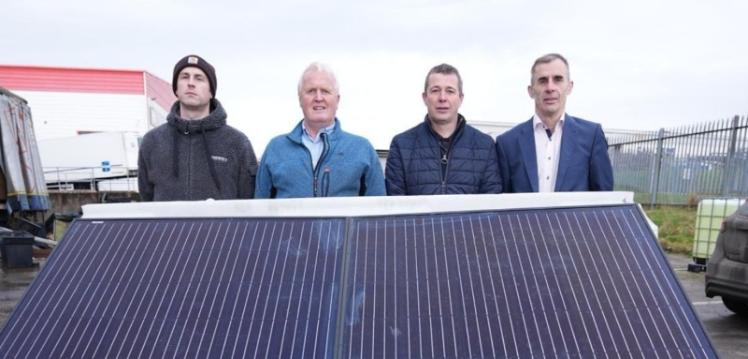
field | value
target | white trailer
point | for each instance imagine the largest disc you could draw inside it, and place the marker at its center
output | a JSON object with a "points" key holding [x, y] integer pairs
{"points": [[83, 161]]}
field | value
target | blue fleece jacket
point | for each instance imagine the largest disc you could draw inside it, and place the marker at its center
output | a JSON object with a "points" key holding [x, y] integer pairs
{"points": [[349, 166]]}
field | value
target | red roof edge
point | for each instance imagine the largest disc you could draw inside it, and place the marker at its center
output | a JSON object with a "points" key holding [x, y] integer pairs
{"points": [[68, 79], [159, 91]]}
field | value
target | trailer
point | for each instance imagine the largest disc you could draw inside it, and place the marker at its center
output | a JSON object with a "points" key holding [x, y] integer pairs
{"points": [[89, 160]]}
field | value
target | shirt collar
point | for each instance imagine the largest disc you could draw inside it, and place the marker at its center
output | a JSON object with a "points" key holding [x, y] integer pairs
{"points": [[327, 130], [460, 124], [538, 124]]}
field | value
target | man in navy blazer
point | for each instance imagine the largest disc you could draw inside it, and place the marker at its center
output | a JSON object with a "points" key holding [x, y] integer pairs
{"points": [[553, 152]]}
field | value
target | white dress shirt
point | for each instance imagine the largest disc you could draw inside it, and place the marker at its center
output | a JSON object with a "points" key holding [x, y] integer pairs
{"points": [[547, 153]]}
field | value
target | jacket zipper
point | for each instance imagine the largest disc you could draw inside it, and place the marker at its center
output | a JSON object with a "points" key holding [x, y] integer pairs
{"points": [[446, 161], [316, 168], [325, 183], [188, 190], [444, 178], [448, 156]]}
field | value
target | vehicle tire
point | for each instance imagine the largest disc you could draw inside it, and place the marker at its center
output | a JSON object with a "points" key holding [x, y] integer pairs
{"points": [[738, 307]]}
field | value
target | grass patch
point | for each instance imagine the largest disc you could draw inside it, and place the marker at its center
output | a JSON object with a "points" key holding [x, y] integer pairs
{"points": [[676, 227], [60, 229]]}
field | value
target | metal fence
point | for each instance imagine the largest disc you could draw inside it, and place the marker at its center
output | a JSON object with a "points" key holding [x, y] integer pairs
{"points": [[110, 178], [683, 165]]}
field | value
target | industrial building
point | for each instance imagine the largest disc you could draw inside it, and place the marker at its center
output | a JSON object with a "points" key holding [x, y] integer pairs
{"points": [[88, 121], [72, 101]]}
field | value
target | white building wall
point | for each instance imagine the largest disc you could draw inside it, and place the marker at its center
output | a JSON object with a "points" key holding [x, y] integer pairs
{"points": [[64, 114], [83, 157]]}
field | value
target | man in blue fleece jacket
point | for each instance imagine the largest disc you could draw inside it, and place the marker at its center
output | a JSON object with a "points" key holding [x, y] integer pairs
{"points": [[317, 158]]}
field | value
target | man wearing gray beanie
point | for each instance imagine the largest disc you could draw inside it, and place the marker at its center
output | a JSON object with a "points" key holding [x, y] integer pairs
{"points": [[195, 155]]}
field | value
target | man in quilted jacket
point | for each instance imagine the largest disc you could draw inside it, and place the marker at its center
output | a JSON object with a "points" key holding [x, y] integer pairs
{"points": [[442, 154]]}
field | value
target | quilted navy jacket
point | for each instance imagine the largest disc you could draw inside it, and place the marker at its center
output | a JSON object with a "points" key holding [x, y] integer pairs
{"points": [[414, 163]]}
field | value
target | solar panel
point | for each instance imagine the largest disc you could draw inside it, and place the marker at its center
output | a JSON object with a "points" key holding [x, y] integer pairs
{"points": [[553, 282], [183, 288]]}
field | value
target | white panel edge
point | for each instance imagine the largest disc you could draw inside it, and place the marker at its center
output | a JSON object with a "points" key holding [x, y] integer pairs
{"points": [[352, 206]]}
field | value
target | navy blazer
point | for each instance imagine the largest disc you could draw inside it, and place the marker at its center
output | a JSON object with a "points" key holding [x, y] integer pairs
{"points": [[583, 165]]}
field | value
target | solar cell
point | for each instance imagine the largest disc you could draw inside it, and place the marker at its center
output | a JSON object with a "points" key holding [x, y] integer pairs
{"points": [[553, 282]]}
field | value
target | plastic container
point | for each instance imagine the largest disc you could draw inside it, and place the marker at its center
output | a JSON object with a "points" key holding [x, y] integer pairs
{"points": [[709, 216], [16, 249]]}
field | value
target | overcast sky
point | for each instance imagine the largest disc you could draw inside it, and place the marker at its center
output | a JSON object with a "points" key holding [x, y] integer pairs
{"points": [[637, 64]]}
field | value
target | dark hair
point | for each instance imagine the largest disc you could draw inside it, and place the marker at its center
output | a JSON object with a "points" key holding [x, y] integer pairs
{"points": [[444, 69], [546, 59]]}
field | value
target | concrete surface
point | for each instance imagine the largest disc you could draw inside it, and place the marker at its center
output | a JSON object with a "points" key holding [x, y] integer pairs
{"points": [[729, 332], [13, 284]]}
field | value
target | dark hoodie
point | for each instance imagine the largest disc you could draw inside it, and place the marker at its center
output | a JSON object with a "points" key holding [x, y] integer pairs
{"points": [[184, 160]]}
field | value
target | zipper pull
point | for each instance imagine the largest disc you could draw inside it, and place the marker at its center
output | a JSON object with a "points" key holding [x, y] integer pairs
{"points": [[325, 185]]}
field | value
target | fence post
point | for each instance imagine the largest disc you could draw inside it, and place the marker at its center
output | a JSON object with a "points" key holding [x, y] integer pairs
{"points": [[655, 184], [730, 156]]}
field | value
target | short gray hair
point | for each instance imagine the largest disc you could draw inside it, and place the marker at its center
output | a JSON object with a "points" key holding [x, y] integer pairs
{"points": [[546, 59], [319, 67]]}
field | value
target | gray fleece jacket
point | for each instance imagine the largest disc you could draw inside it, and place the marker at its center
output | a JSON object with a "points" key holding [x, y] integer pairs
{"points": [[185, 160]]}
